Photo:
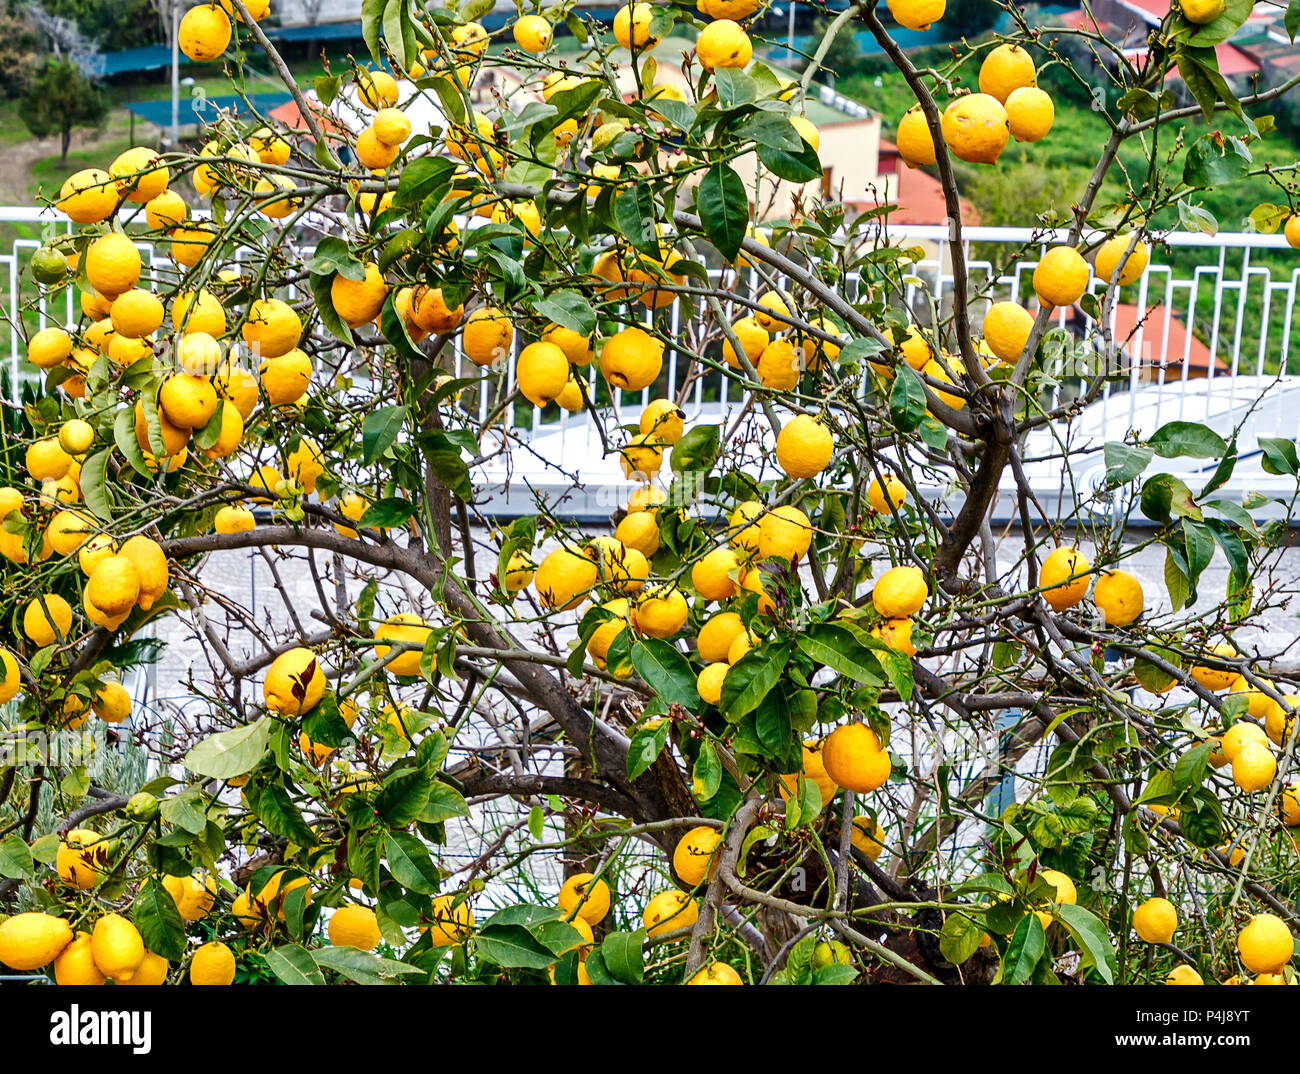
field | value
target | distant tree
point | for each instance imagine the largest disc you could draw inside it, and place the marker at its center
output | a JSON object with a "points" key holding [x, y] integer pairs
{"points": [[61, 99], [112, 24], [971, 17], [19, 56], [843, 54]]}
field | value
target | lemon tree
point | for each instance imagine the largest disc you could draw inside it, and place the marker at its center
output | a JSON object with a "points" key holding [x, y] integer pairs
{"points": [[749, 723]]}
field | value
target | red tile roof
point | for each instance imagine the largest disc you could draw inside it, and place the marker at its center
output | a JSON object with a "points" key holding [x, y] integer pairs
{"points": [[918, 197], [1163, 334]]}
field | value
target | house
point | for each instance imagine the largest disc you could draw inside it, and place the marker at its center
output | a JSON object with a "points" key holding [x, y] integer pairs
{"points": [[1159, 340]]}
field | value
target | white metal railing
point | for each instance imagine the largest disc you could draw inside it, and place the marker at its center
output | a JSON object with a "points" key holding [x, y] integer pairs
{"points": [[1211, 325]]}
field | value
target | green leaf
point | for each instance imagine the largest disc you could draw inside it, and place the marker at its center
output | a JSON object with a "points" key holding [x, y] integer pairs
{"points": [[1188, 438], [362, 966], [1292, 20], [751, 678], [1023, 950], [634, 212], [619, 959], [723, 206], [320, 289], [512, 947], [404, 796], [1219, 30], [959, 938], [1091, 936], [707, 772], [444, 803], [569, 310], [230, 753], [1279, 456], [409, 862], [696, 450], [646, 745], [667, 671], [94, 489], [276, 810], [379, 432], [1191, 767], [906, 398], [839, 650], [293, 965], [800, 166], [386, 514], [15, 857], [159, 921]]}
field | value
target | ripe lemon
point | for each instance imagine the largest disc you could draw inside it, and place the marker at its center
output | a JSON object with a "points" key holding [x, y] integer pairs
{"points": [[1254, 767], [1155, 921], [1065, 889], [771, 313], [750, 579], [1201, 11], [140, 173], [488, 336], [576, 347], [564, 577], [603, 636], [1006, 69], [272, 328], [1288, 804], [915, 142], [668, 911], [49, 347], [194, 899], [212, 964], [359, 301], [661, 612], [230, 434], [532, 33], [1292, 231], [1030, 114], [854, 758], [740, 647], [286, 379], [470, 38], [174, 438], [723, 44], [744, 525], [75, 964], [897, 634], [1239, 735], [693, 857], [1054, 578], [804, 447], [753, 340], [354, 926], [233, 519], [81, 858], [112, 264], [886, 498], [1061, 276], [541, 372], [814, 771], [868, 837], [1216, 679], [1265, 945], [303, 465], [1007, 327], [1183, 975], [46, 460], [432, 314], [519, 573], [712, 576], [807, 130], [975, 128], [639, 531], [716, 973], [778, 367], [188, 401], [917, 14], [451, 923], [88, 196], [708, 683], [166, 211], [31, 941], [1108, 260], [404, 627], [590, 897], [632, 26], [151, 972], [664, 420], [900, 592], [642, 456], [201, 312], [136, 313], [784, 533], [1118, 596], [76, 436], [112, 703], [43, 616], [377, 89], [716, 636], [391, 126], [10, 677], [631, 359], [116, 947], [114, 585], [294, 683]]}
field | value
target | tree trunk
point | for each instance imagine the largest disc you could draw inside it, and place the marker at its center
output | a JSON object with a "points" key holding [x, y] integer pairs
{"points": [[67, 141]]}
